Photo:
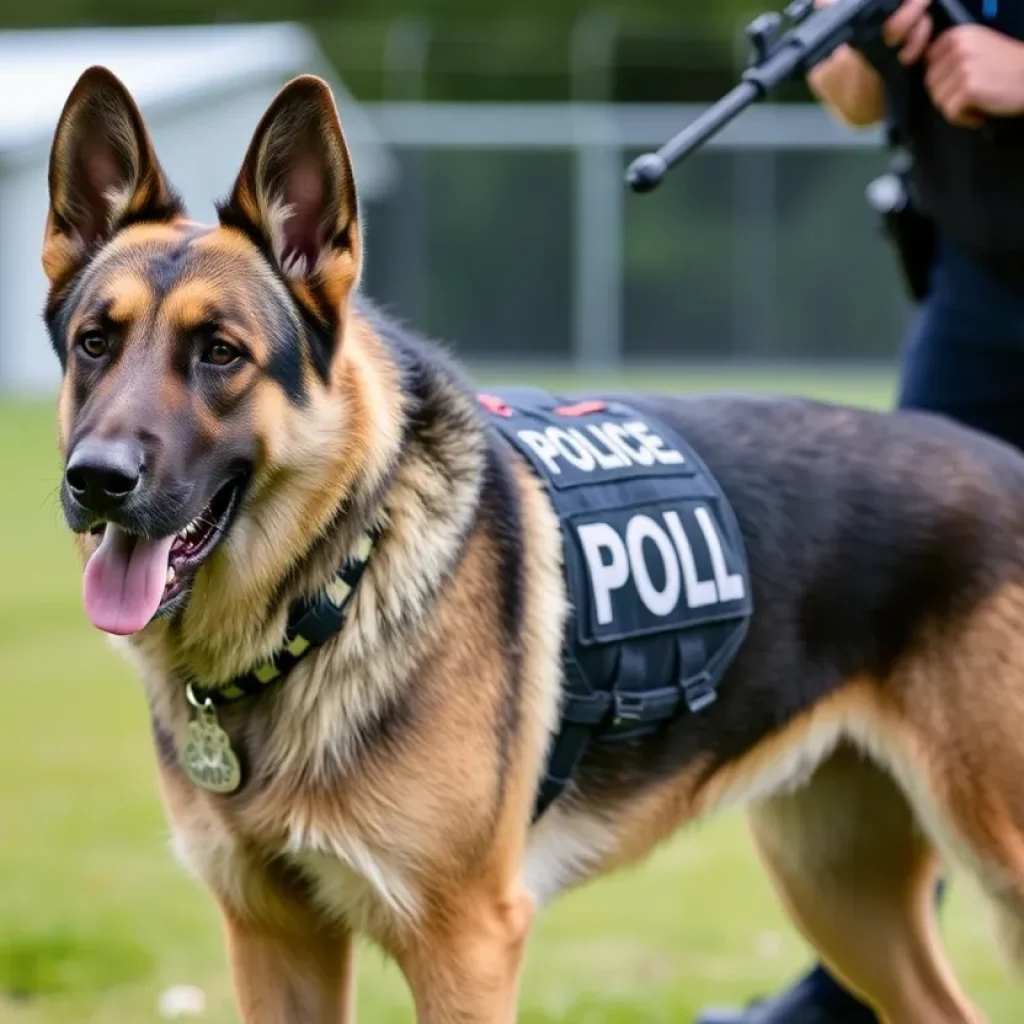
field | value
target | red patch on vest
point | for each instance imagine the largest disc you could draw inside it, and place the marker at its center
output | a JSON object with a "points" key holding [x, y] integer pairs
{"points": [[493, 404], [581, 408]]}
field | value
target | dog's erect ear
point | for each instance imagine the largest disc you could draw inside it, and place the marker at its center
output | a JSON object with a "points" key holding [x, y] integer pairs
{"points": [[104, 174], [296, 195]]}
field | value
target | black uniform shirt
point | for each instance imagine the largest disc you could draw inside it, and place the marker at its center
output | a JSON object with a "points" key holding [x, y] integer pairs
{"points": [[969, 181]]}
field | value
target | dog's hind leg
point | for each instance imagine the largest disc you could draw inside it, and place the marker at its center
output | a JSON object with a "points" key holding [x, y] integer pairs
{"points": [[857, 876], [956, 743]]}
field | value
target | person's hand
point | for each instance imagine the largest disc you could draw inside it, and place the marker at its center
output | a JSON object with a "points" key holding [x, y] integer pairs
{"points": [[974, 70], [909, 29]]}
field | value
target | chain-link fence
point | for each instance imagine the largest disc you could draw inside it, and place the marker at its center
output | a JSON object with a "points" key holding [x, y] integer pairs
{"points": [[510, 233]]}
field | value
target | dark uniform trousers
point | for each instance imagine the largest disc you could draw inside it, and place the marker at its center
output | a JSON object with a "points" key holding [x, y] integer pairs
{"points": [[964, 357]]}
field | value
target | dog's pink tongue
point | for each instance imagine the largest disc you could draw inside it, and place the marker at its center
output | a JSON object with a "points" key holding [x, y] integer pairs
{"points": [[124, 581]]}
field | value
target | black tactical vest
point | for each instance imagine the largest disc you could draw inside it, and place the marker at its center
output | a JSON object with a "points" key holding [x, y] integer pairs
{"points": [[654, 565], [966, 180]]}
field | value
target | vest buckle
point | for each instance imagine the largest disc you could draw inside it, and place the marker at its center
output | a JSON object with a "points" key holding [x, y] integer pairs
{"points": [[629, 707], [699, 692]]}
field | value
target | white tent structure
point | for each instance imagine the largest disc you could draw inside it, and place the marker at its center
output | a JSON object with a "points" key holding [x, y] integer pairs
{"points": [[202, 91]]}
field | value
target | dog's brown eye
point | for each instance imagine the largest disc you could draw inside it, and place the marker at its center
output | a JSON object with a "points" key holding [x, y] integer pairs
{"points": [[220, 353], [94, 344]]}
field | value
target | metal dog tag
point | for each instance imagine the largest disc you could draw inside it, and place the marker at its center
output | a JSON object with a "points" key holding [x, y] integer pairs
{"points": [[207, 756]]}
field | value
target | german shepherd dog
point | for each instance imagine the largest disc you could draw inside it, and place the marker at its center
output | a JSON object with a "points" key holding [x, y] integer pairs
{"points": [[234, 420]]}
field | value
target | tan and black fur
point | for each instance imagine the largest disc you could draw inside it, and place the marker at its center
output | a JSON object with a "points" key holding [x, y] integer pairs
{"points": [[873, 720]]}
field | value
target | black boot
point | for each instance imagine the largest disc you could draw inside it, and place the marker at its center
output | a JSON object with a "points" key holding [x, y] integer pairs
{"points": [[816, 999]]}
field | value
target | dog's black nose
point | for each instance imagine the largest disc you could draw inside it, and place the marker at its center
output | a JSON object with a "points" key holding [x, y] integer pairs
{"points": [[101, 474]]}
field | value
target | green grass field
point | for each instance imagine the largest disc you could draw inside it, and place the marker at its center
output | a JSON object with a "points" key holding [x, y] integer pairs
{"points": [[96, 919]]}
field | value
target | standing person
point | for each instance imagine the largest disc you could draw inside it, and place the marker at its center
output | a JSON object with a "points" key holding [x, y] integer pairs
{"points": [[956, 102]]}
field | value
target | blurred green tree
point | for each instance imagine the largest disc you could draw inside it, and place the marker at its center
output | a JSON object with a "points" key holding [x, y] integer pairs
{"points": [[633, 50]]}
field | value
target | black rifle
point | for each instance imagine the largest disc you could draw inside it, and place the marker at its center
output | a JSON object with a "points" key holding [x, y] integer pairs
{"points": [[778, 55]]}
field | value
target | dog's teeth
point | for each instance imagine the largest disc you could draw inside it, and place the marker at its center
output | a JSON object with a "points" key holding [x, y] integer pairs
{"points": [[190, 530], [170, 575]]}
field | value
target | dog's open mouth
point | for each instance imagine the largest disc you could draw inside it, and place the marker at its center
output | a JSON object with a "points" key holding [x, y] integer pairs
{"points": [[130, 579], [193, 545]]}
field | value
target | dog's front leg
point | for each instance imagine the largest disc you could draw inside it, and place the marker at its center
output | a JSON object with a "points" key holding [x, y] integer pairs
{"points": [[463, 966], [298, 978]]}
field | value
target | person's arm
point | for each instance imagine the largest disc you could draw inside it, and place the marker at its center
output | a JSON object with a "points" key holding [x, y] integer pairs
{"points": [[850, 87], [847, 83]]}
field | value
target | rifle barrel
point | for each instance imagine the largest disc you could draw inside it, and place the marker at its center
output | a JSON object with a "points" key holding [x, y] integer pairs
{"points": [[809, 41], [645, 173]]}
